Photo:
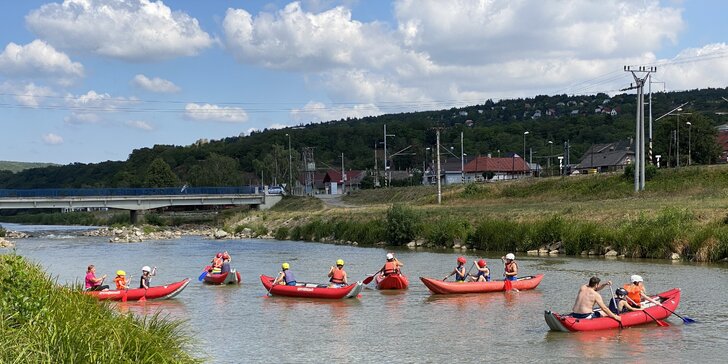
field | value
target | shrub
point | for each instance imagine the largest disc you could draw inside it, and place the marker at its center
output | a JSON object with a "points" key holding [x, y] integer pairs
{"points": [[444, 231], [581, 236], [281, 233], [499, 235], [154, 219], [402, 224], [3, 232]]}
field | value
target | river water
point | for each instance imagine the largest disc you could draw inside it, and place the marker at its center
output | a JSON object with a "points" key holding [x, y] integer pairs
{"points": [[241, 324]]}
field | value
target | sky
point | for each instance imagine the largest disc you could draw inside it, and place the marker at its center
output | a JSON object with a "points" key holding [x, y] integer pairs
{"points": [[86, 81]]}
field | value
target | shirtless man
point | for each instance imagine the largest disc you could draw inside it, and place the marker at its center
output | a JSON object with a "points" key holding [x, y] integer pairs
{"points": [[587, 298]]}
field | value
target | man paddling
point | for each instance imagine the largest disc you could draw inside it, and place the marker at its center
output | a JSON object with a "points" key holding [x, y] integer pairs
{"points": [[587, 297]]}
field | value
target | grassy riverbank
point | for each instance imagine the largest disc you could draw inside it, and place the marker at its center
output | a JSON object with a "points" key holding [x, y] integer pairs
{"points": [[44, 323], [681, 211]]}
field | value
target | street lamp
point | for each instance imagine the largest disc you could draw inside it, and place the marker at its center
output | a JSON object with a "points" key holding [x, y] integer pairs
{"points": [[551, 153], [677, 138], [290, 169], [690, 127], [524, 145]]}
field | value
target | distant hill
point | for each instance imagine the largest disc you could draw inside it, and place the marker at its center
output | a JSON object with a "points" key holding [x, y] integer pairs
{"points": [[541, 127], [20, 166]]}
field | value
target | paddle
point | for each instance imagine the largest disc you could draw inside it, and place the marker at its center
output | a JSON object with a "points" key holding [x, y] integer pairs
{"points": [[369, 279], [685, 319], [614, 301], [203, 275], [659, 322], [466, 274]]}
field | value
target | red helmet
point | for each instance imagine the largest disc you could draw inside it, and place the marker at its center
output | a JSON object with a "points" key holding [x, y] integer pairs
{"points": [[462, 260], [481, 263], [226, 255], [219, 255]]}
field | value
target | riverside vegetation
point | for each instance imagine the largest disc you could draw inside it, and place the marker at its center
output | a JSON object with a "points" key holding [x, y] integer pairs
{"points": [[45, 323], [681, 212]]}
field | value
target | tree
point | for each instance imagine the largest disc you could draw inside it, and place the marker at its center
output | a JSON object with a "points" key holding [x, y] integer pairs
{"points": [[159, 174], [216, 170]]}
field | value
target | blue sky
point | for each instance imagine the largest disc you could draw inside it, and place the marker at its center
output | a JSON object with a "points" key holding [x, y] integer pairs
{"points": [[91, 80]]}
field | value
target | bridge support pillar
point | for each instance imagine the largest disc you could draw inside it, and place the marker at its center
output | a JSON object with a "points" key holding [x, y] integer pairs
{"points": [[135, 215]]}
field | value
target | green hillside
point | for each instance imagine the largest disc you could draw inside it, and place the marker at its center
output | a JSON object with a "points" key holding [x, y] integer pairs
{"points": [[495, 127], [21, 166]]}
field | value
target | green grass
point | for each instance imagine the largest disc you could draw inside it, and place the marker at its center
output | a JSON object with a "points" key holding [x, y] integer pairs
{"points": [[44, 323]]}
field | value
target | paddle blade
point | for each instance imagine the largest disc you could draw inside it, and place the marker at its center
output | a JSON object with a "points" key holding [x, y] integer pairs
{"points": [[143, 299], [123, 297], [368, 280], [662, 323], [508, 285], [688, 320], [202, 276]]}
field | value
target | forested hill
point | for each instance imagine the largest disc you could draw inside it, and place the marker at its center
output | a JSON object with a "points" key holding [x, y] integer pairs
{"points": [[19, 166], [492, 127]]}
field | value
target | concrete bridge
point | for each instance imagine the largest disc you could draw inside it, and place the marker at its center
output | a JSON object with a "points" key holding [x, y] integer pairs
{"points": [[136, 200]]}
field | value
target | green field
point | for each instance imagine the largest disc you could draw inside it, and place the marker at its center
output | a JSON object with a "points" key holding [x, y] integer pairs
{"points": [[20, 166]]}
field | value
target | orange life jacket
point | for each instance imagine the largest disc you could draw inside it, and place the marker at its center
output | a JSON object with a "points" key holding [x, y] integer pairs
{"points": [[510, 267], [338, 276], [389, 268], [121, 282], [216, 262], [634, 293]]}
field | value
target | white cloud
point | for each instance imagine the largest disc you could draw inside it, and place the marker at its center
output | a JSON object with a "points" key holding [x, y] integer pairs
{"points": [[79, 118], [38, 59], [464, 31], [696, 68], [94, 101], [297, 40], [139, 124], [29, 94], [155, 84], [130, 30], [208, 112], [314, 112], [52, 139]]}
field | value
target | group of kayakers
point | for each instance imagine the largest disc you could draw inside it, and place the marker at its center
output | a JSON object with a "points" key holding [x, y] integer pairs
{"points": [[337, 275], [93, 283], [220, 263], [628, 298], [510, 270]]}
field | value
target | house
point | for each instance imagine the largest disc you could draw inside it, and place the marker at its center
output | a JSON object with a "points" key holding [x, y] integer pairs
{"points": [[489, 169], [723, 142], [450, 172], [337, 184], [536, 114], [463, 113], [608, 157], [469, 123]]}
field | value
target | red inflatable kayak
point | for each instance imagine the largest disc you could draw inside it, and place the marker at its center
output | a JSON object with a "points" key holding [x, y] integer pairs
{"points": [[392, 281], [669, 299], [230, 277], [152, 293], [311, 290], [438, 286]]}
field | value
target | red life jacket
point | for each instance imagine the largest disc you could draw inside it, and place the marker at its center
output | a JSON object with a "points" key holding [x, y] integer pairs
{"points": [[338, 276], [389, 268], [510, 267]]}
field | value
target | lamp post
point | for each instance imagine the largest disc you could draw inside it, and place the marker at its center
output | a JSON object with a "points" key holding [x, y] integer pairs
{"points": [[524, 145], [290, 168], [677, 138], [427, 161], [690, 127], [551, 153]]}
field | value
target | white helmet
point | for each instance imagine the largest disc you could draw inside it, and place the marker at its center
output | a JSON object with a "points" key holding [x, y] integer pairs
{"points": [[636, 278], [146, 269], [390, 256], [510, 256]]}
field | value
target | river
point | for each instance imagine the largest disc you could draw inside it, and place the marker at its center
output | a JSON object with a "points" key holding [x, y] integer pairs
{"points": [[241, 324]]}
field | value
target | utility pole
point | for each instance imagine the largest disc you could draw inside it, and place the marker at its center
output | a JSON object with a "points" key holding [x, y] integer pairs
{"points": [[387, 172], [376, 166], [439, 187], [639, 166], [462, 160], [290, 169], [343, 174]]}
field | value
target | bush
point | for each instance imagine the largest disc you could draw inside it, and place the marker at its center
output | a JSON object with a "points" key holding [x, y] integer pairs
{"points": [[445, 231], [499, 235], [650, 171], [402, 225], [585, 236], [3, 232], [154, 219], [281, 233]]}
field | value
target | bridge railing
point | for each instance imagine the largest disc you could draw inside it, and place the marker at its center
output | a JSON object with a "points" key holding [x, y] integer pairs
{"points": [[102, 192]]}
